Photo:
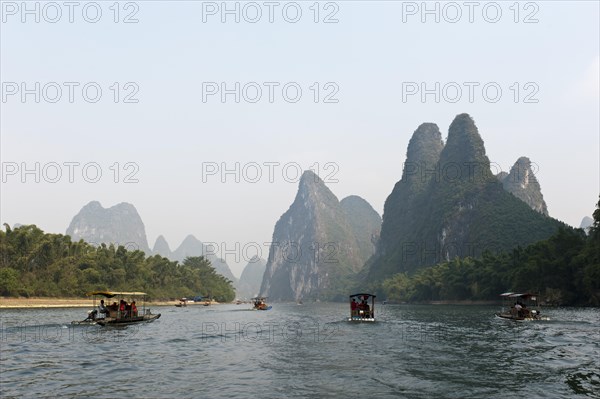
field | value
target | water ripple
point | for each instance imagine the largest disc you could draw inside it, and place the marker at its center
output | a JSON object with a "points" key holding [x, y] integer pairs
{"points": [[305, 351]]}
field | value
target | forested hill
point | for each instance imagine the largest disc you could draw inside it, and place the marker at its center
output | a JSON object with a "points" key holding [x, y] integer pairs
{"points": [[448, 203], [34, 263], [564, 269]]}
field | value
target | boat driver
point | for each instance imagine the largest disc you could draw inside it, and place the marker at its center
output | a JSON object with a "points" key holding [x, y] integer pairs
{"points": [[102, 309], [518, 308]]}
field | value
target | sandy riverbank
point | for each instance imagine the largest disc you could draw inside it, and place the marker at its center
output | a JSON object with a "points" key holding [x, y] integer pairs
{"points": [[16, 303]]}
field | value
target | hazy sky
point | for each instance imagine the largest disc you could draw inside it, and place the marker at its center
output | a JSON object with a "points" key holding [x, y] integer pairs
{"points": [[342, 96]]}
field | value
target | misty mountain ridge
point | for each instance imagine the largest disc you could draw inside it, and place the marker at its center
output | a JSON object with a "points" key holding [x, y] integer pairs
{"points": [[251, 278], [121, 224], [191, 246], [447, 204], [161, 247]]}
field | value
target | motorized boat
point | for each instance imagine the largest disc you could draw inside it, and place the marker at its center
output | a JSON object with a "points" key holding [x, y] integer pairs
{"points": [[182, 303], [259, 303], [360, 310], [520, 307], [122, 313], [89, 320]]}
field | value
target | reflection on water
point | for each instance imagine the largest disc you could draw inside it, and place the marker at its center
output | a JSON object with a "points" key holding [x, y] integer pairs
{"points": [[302, 351]]}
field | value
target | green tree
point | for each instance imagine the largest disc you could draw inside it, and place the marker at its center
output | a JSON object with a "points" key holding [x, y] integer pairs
{"points": [[33, 263]]}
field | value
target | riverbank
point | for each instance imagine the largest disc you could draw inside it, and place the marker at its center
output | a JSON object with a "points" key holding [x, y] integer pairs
{"points": [[27, 303]]}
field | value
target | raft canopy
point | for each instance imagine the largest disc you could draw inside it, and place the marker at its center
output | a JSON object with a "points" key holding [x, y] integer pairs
{"points": [[111, 294], [364, 296], [517, 295]]}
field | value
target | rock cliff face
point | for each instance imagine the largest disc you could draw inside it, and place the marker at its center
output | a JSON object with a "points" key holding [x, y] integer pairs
{"points": [[319, 244], [448, 204], [251, 278], [119, 225], [422, 158], [523, 184]]}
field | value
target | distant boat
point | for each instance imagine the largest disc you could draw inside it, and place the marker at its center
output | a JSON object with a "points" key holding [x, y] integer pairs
{"points": [[520, 307], [259, 303], [182, 303], [360, 310], [119, 314]]}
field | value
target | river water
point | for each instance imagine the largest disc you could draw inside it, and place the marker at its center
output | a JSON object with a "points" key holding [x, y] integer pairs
{"points": [[303, 351]]}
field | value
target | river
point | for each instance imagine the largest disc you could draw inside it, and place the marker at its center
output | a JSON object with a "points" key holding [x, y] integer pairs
{"points": [[302, 351]]}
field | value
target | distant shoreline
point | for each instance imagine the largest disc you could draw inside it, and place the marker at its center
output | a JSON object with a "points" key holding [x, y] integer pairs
{"points": [[43, 303]]}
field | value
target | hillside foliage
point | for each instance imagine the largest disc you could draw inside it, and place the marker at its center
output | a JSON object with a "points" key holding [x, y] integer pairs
{"points": [[564, 269], [34, 263]]}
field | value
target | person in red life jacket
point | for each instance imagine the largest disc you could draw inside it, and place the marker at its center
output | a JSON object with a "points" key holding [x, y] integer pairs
{"points": [[353, 307], [123, 308]]}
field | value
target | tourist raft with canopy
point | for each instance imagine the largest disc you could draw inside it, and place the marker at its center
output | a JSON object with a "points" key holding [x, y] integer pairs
{"points": [[182, 303], [360, 310], [120, 312], [520, 307], [258, 303]]}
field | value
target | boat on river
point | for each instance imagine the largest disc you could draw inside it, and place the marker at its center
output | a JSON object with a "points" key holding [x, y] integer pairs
{"points": [[121, 313], [182, 303], [360, 310], [520, 307], [259, 303]]}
